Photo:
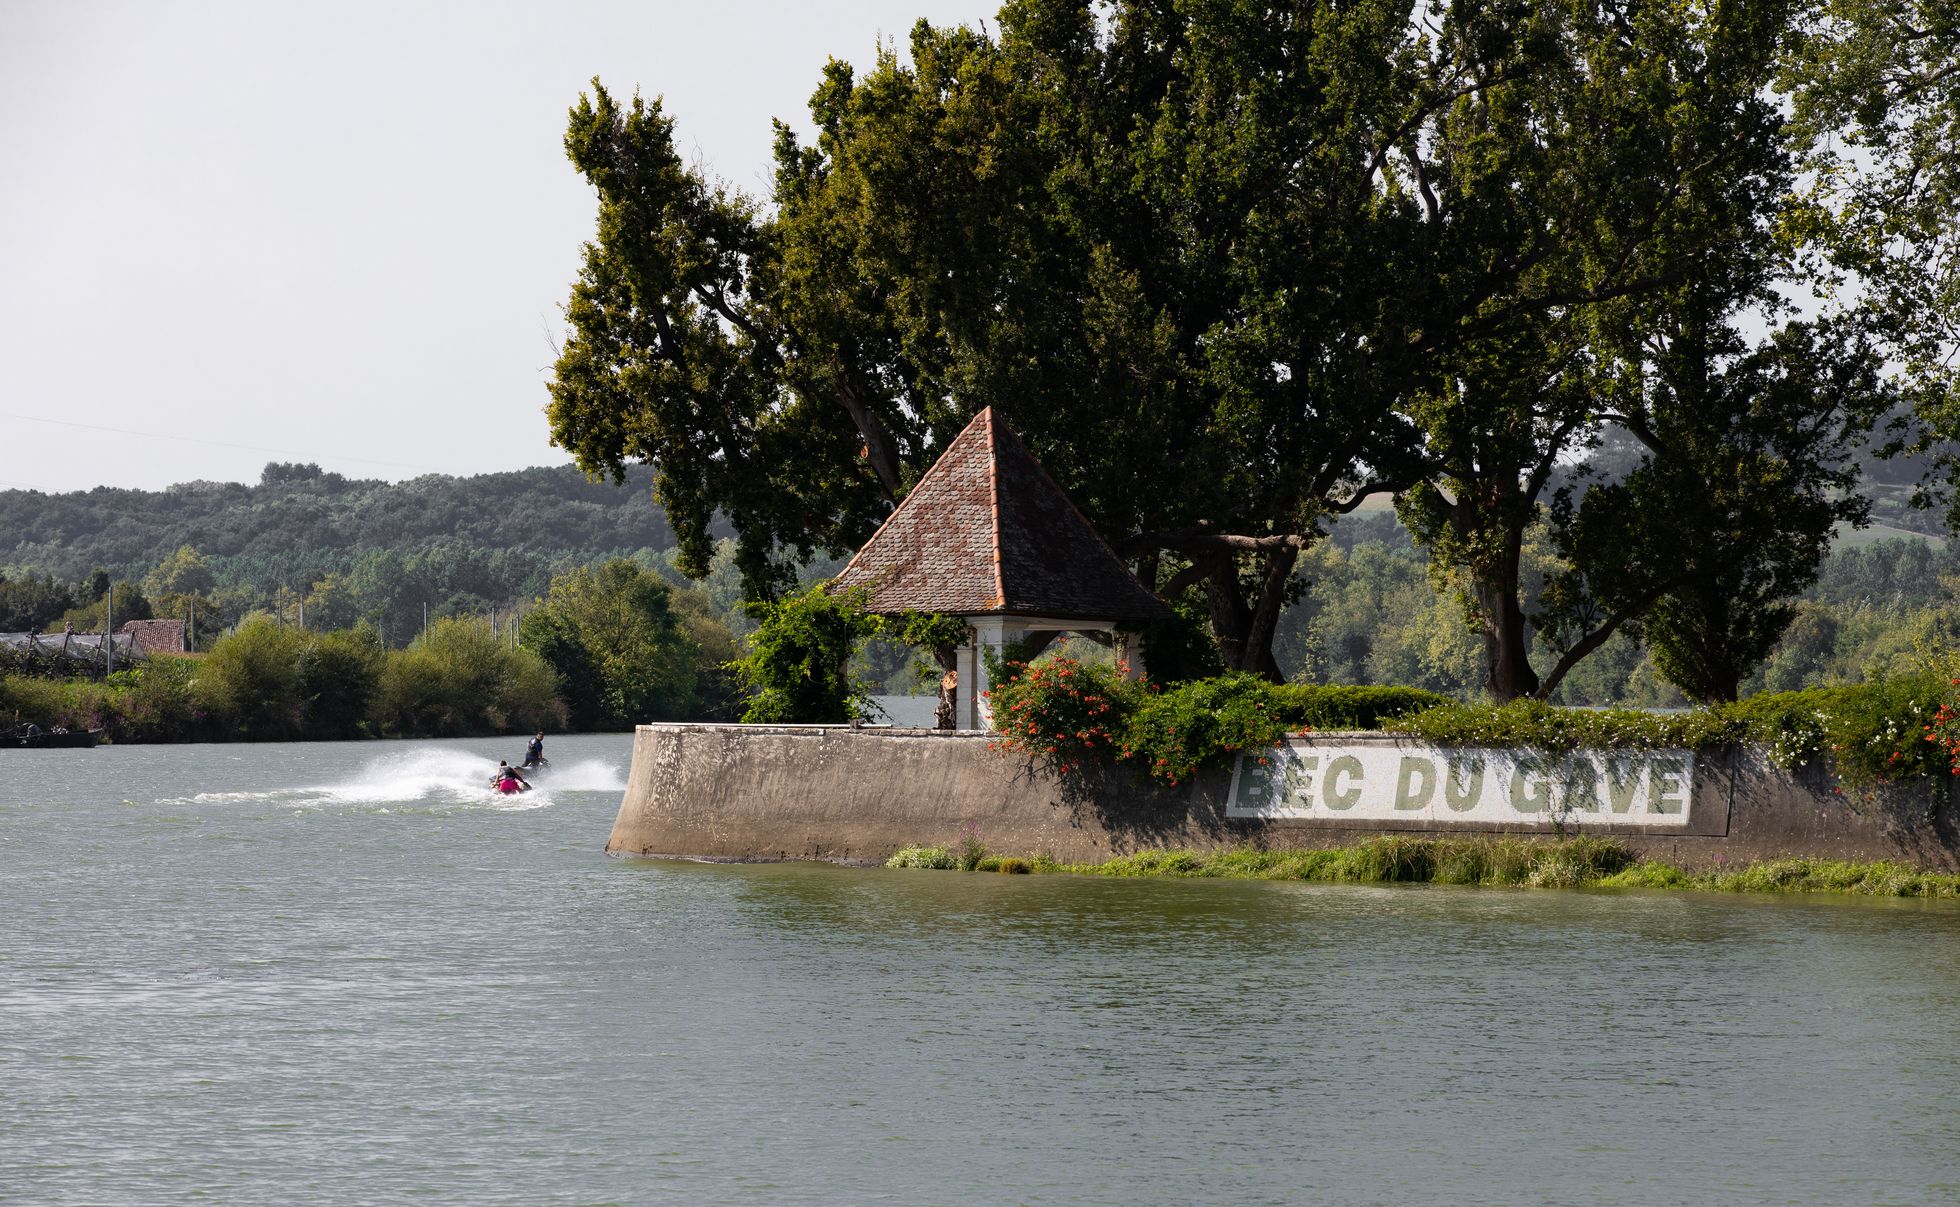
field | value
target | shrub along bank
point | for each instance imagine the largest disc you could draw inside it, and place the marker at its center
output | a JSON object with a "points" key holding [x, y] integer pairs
{"points": [[1867, 735], [1582, 862], [268, 683]]}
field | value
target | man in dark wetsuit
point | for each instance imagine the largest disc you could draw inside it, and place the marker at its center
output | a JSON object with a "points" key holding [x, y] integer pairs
{"points": [[534, 753]]}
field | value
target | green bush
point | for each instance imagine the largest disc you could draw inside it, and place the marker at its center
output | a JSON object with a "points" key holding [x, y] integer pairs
{"points": [[460, 679], [1536, 725], [1329, 706], [339, 680], [940, 859], [52, 703], [1012, 866], [1205, 722], [163, 702], [798, 668], [1866, 734], [619, 647], [251, 680]]}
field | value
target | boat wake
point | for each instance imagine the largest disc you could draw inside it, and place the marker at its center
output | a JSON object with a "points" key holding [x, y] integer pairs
{"points": [[429, 780]]}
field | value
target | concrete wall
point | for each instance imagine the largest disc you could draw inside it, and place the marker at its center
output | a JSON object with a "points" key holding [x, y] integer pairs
{"points": [[741, 792]]}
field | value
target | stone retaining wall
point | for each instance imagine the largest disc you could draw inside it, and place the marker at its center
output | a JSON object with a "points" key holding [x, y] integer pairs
{"points": [[747, 792]]}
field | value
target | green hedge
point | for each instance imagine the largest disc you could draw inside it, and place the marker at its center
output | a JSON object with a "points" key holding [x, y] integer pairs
{"points": [[1867, 735], [1322, 706]]}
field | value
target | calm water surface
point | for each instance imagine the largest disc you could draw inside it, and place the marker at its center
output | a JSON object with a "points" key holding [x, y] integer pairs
{"points": [[343, 972]]}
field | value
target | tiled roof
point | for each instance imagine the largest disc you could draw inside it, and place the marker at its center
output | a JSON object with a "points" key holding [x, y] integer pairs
{"points": [[987, 532], [156, 636]]}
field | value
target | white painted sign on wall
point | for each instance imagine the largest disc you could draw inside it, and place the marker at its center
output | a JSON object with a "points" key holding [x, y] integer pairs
{"points": [[1412, 784]]}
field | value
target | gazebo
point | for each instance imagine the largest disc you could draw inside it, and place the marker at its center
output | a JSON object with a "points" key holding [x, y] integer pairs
{"points": [[986, 535]]}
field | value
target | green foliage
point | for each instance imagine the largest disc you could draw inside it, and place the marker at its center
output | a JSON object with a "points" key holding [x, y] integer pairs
{"points": [[1064, 711], [130, 604], [1061, 709], [798, 665], [268, 683], [930, 630], [185, 572], [1533, 724], [339, 682], [252, 679], [1013, 866], [462, 679], [1326, 706], [1513, 862], [929, 858], [622, 653], [1866, 734], [30, 603], [1180, 647], [1205, 722], [1399, 859], [354, 550], [163, 703], [1145, 235]]}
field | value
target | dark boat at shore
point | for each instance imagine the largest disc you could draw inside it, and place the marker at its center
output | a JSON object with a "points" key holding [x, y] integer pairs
{"points": [[33, 737]]}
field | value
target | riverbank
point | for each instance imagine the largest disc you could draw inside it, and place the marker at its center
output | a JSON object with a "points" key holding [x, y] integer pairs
{"points": [[1584, 862]]}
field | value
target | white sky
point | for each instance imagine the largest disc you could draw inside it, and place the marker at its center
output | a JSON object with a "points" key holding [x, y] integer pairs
{"points": [[340, 231]]}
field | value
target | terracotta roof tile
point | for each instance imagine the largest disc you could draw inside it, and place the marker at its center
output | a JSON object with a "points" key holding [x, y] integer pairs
{"points": [[987, 532]]}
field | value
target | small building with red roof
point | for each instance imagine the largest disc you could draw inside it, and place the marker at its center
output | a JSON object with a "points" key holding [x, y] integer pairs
{"points": [[987, 535]]}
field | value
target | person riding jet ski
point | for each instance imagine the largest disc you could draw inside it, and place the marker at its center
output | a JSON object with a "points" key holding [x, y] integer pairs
{"points": [[508, 779]]}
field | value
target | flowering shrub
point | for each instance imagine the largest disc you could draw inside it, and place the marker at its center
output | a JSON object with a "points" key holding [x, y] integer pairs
{"points": [[1867, 734], [1059, 709]]}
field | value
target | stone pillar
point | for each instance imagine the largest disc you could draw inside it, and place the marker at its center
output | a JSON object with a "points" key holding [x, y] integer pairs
{"points": [[1129, 655], [965, 659]]}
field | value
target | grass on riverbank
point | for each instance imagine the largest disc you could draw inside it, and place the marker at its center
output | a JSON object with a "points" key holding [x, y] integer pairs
{"points": [[1581, 862]]}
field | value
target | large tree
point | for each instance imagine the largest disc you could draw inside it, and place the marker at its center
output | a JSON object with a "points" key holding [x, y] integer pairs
{"points": [[1162, 248], [1650, 171], [1875, 86], [1227, 267]]}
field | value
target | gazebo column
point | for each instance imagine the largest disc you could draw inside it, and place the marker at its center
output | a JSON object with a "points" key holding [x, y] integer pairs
{"points": [[966, 694], [1129, 655], [991, 636]]}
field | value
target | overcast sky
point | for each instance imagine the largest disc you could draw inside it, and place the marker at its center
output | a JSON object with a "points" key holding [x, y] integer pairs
{"points": [[337, 231]]}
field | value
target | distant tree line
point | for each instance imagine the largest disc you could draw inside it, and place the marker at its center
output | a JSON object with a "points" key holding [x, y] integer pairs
{"points": [[603, 649]]}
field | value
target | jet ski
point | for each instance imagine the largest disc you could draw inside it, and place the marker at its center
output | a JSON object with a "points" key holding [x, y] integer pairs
{"points": [[509, 781]]}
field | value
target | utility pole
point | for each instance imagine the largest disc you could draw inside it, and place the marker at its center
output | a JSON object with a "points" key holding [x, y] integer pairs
{"points": [[109, 634]]}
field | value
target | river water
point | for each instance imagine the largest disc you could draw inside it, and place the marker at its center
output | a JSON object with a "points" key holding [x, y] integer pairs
{"points": [[346, 973]]}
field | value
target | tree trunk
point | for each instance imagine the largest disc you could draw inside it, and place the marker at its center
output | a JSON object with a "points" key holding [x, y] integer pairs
{"points": [[1245, 631], [945, 715], [1265, 613], [1231, 619], [1507, 666]]}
